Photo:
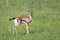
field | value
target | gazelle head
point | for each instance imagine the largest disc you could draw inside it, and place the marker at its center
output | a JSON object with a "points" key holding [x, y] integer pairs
{"points": [[30, 13]]}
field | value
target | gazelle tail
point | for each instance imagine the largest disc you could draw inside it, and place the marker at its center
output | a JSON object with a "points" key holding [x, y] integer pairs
{"points": [[12, 19]]}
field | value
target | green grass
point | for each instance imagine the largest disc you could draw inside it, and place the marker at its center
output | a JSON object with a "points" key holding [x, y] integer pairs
{"points": [[45, 24]]}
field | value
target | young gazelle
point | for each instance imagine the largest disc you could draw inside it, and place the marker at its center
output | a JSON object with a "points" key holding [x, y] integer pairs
{"points": [[19, 20]]}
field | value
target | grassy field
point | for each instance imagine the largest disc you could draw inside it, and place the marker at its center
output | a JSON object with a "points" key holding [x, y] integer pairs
{"points": [[45, 24]]}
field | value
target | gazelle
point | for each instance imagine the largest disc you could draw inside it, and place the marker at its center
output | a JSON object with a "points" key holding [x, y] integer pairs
{"points": [[19, 20]]}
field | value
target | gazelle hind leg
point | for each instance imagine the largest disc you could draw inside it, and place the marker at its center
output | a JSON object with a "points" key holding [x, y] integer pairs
{"points": [[16, 26], [15, 30]]}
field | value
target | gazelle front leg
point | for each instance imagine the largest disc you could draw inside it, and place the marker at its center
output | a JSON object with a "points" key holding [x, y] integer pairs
{"points": [[27, 28]]}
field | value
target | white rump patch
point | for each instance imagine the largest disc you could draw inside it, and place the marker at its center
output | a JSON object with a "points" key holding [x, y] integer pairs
{"points": [[15, 21]]}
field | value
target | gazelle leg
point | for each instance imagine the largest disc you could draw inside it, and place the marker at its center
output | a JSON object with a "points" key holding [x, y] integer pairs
{"points": [[27, 27], [16, 25], [15, 29]]}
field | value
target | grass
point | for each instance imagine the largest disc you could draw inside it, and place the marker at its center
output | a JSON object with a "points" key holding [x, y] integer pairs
{"points": [[45, 24]]}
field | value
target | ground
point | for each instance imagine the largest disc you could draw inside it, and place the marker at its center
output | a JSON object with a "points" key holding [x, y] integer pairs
{"points": [[45, 24]]}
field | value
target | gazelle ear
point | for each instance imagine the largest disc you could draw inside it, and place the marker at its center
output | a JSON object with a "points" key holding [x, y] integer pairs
{"points": [[32, 10]]}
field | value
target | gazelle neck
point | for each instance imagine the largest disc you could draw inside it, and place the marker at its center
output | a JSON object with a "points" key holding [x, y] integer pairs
{"points": [[30, 16]]}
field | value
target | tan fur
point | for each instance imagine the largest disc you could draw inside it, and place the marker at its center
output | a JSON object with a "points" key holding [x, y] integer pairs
{"points": [[27, 20]]}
